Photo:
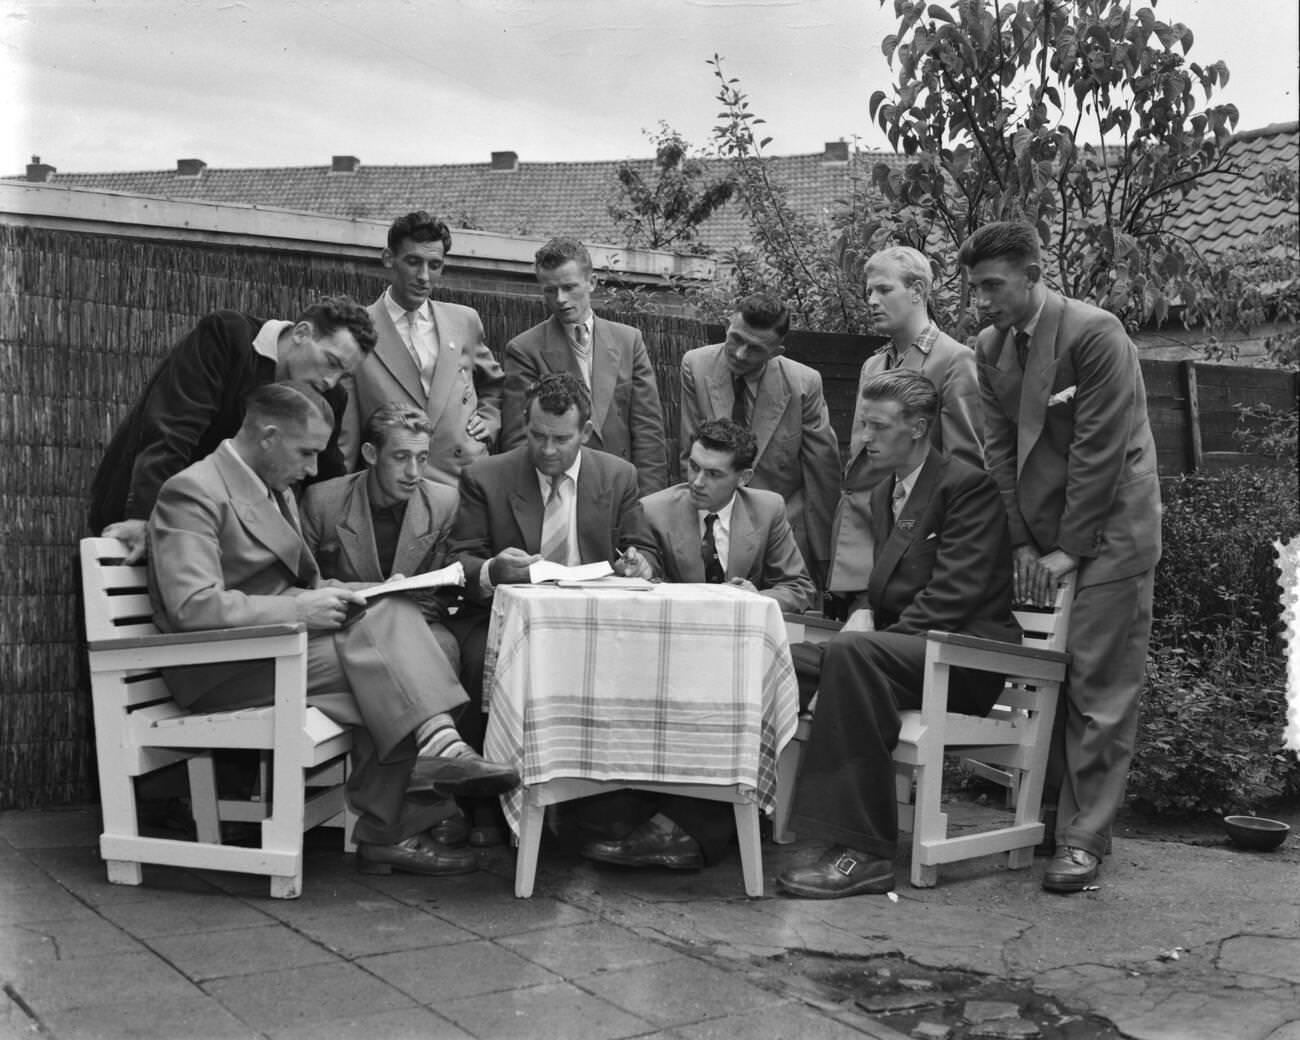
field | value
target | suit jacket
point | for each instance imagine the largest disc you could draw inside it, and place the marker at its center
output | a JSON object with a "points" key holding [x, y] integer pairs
{"points": [[467, 381], [946, 564], [951, 367], [194, 400], [798, 454], [337, 527], [626, 413], [501, 507], [1068, 441], [761, 546]]}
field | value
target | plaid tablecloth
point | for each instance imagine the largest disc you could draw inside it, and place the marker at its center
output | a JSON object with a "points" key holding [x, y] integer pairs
{"points": [[679, 684]]}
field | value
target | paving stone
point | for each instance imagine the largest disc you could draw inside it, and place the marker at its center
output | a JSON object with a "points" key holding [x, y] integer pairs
{"points": [[435, 977], [1275, 957], [678, 992], [931, 1031], [1004, 1029], [498, 915], [239, 951], [172, 913], [410, 1024], [987, 1010], [557, 1009], [383, 930], [51, 828], [782, 1022], [29, 946], [313, 994], [48, 903], [87, 982], [164, 1018], [586, 949], [322, 897], [82, 872]]}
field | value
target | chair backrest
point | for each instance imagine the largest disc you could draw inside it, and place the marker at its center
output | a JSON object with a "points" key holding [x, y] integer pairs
{"points": [[116, 595], [1047, 628]]}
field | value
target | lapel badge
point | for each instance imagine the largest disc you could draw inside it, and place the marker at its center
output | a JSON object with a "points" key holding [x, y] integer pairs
{"points": [[906, 525]]}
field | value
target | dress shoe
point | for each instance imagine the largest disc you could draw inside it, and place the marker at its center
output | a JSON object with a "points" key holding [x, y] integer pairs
{"points": [[1047, 847], [1071, 870], [436, 777], [840, 872], [648, 846], [451, 832], [416, 855]]}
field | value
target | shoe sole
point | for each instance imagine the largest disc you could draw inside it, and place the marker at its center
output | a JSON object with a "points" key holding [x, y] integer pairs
{"points": [[383, 869], [868, 886], [1068, 885], [693, 864]]}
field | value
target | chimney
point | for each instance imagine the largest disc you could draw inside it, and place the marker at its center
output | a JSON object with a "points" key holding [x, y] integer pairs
{"points": [[39, 172], [836, 152], [345, 164], [506, 161], [190, 167]]}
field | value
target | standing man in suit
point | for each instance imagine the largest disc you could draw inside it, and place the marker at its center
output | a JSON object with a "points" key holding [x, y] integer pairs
{"points": [[195, 400], [709, 529], [227, 551], [611, 360], [898, 288], [1068, 442], [430, 355], [943, 562], [746, 378]]}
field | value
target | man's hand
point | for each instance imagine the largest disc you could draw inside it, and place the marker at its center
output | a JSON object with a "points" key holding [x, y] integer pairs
{"points": [[743, 583], [631, 564], [477, 428], [861, 620], [510, 566], [134, 534], [1037, 578], [324, 610]]}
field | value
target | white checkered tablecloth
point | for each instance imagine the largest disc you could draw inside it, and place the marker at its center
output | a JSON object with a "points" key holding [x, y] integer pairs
{"points": [[679, 684]]}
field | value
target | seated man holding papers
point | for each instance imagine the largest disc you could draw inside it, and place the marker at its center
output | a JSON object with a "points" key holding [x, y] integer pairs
{"points": [[713, 529], [226, 551]]}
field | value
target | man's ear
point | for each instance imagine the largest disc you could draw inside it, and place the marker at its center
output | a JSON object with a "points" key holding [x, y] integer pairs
{"points": [[387, 258], [746, 476], [588, 428], [369, 453], [1033, 272]]}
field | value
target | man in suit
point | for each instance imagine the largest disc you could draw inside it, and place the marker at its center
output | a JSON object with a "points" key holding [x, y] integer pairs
{"points": [[709, 529], [943, 562], [227, 551], [746, 378], [1068, 442], [898, 280], [430, 355], [611, 360], [195, 400]]}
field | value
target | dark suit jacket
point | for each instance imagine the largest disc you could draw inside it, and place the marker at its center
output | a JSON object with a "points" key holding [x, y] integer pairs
{"points": [[761, 548], [946, 564], [798, 454], [626, 412], [466, 381], [194, 400], [337, 527], [1080, 474], [501, 507]]}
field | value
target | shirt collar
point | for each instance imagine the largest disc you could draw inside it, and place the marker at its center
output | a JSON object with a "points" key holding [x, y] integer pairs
{"points": [[924, 342], [398, 313], [267, 340], [723, 514], [1032, 323], [909, 481], [544, 482]]}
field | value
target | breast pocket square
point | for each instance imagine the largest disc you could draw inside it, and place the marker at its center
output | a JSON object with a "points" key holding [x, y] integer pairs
{"points": [[1062, 397]]}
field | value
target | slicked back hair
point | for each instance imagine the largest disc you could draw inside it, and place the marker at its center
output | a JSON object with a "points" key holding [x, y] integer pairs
{"points": [[419, 226], [912, 265], [329, 314], [730, 436], [394, 416], [288, 403], [1003, 240], [762, 311], [917, 395]]}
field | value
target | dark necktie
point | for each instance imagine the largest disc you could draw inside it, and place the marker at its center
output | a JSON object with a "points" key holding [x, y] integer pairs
{"points": [[1022, 348], [739, 403], [713, 572]]}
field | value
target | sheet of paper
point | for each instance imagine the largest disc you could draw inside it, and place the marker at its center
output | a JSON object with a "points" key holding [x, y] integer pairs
{"points": [[609, 581], [545, 570], [452, 574]]}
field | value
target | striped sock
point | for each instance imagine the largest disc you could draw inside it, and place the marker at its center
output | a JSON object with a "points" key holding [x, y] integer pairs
{"points": [[437, 738]]}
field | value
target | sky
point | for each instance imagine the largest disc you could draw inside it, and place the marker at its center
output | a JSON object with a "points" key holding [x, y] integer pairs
{"points": [[107, 85]]}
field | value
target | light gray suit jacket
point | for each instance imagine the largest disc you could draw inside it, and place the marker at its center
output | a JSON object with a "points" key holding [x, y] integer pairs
{"points": [[761, 547]]}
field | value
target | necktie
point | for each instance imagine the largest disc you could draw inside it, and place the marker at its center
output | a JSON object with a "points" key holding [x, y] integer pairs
{"points": [[739, 404], [891, 361], [1022, 348], [898, 499], [424, 361], [713, 572], [581, 338], [555, 523]]}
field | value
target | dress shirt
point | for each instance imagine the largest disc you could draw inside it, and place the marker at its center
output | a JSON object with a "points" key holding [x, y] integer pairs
{"points": [[544, 489], [924, 343], [906, 483], [421, 339], [1009, 342], [387, 524], [721, 529], [583, 355]]}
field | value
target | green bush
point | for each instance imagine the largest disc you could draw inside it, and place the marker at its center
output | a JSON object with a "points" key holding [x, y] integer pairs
{"points": [[1214, 708]]}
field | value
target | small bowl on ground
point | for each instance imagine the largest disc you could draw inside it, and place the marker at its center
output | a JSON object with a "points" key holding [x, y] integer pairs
{"points": [[1255, 832]]}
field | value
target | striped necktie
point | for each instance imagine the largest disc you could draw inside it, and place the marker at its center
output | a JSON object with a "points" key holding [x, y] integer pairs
{"points": [[555, 522], [713, 572]]}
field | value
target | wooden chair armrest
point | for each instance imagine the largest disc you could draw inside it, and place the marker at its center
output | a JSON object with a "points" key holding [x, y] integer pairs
{"points": [[212, 635], [1016, 650], [812, 621]]}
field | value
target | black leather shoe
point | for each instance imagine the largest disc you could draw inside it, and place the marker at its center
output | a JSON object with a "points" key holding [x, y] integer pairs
{"points": [[1071, 870], [415, 855], [451, 832], [649, 847], [436, 778], [840, 872]]}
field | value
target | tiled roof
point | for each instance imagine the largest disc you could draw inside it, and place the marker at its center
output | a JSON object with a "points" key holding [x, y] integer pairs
{"points": [[535, 199], [1225, 210]]}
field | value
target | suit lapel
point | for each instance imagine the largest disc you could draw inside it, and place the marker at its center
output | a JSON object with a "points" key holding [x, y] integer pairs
{"points": [[393, 354], [416, 537], [1036, 385], [769, 404], [742, 539], [720, 389], [262, 518], [525, 499], [356, 532], [891, 545], [604, 371], [684, 537], [595, 536], [446, 371]]}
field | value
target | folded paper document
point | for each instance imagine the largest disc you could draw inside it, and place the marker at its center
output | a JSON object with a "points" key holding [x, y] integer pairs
{"points": [[452, 574], [546, 570]]}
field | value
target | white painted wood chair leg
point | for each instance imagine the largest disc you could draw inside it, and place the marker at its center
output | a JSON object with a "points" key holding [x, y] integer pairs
{"points": [[532, 820], [204, 805], [751, 851]]}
